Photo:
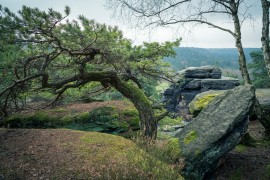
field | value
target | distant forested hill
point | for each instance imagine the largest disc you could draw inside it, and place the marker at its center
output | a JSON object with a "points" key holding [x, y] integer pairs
{"points": [[223, 58]]}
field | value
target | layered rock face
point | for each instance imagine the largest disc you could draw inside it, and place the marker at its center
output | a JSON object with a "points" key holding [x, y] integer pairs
{"points": [[215, 131], [193, 81]]}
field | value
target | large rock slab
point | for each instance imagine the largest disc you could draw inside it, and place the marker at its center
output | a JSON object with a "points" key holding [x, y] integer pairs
{"points": [[215, 131], [219, 84], [203, 72]]}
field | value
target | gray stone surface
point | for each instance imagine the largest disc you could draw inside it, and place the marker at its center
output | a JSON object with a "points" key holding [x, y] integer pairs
{"points": [[218, 84], [203, 72], [193, 81], [215, 131]]}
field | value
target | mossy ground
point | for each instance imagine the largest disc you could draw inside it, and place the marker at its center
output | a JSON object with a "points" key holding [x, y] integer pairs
{"points": [[241, 148], [112, 117], [62, 154]]}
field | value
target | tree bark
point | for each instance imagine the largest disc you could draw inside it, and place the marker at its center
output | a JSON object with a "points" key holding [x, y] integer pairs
{"points": [[265, 34], [238, 43], [148, 120]]}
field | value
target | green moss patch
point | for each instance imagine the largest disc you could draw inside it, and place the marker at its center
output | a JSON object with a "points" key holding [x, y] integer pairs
{"points": [[171, 121], [191, 136], [241, 148], [202, 100]]}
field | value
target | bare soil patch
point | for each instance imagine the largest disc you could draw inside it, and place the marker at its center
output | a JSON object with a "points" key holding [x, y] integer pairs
{"points": [[39, 154]]}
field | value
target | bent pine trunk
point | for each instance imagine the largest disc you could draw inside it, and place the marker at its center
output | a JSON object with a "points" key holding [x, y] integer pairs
{"points": [[142, 104]]}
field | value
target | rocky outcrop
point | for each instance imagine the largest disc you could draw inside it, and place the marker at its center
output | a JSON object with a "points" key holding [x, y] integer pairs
{"points": [[193, 81], [215, 131]]}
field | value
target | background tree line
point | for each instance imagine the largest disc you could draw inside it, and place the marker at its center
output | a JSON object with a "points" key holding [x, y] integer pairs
{"points": [[183, 12]]}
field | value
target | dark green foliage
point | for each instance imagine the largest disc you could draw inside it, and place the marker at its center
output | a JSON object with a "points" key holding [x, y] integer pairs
{"points": [[36, 120], [132, 116], [260, 78], [107, 118], [103, 119]]}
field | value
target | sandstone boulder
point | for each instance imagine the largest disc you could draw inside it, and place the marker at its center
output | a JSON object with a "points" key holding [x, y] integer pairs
{"points": [[195, 80], [215, 131]]}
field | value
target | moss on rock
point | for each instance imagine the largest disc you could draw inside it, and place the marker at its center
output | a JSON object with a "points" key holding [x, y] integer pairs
{"points": [[202, 100], [190, 137]]}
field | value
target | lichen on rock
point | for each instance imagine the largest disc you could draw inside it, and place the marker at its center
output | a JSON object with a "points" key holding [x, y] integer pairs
{"points": [[202, 100], [190, 137]]}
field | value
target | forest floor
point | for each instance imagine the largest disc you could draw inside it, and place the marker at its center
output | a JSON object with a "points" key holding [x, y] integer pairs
{"points": [[38, 153], [246, 163]]}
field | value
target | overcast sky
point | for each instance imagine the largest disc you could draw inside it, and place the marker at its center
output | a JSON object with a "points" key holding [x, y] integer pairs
{"points": [[200, 36]]}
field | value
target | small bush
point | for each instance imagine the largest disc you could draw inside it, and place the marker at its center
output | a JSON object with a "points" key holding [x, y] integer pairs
{"points": [[36, 120], [132, 116], [102, 119], [14, 121], [166, 150], [170, 121], [103, 114]]}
